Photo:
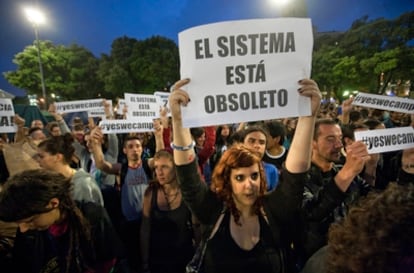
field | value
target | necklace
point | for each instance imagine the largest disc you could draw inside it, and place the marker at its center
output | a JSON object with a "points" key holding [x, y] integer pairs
{"points": [[170, 198]]}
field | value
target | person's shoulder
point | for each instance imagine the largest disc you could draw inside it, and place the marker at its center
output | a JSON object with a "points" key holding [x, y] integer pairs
{"points": [[91, 211]]}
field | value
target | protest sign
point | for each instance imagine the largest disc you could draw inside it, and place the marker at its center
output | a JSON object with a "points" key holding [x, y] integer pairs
{"points": [[7, 116], [386, 140], [403, 105], [245, 70], [78, 105], [100, 112], [142, 106], [163, 100], [121, 126], [120, 107]]}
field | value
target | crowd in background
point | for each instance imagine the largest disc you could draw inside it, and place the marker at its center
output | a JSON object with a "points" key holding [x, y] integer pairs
{"points": [[151, 222]]}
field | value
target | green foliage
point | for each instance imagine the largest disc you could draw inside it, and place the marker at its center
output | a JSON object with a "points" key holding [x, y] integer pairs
{"points": [[357, 58], [69, 72], [139, 66]]}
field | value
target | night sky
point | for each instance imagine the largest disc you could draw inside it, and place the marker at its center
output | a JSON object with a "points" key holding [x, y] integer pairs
{"points": [[94, 24]]}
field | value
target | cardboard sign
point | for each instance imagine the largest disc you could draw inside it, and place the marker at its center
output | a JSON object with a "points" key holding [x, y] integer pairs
{"points": [[245, 70]]}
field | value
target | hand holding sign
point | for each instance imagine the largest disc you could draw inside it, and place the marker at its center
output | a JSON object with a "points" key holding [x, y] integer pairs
{"points": [[356, 156]]}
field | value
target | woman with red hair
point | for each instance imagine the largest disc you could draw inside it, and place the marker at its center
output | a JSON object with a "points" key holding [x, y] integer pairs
{"points": [[253, 231]]}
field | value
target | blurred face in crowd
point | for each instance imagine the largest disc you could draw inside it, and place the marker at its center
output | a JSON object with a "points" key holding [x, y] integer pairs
{"points": [[37, 136], [225, 130], [41, 221], [328, 144], [55, 131], [200, 140], [46, 160], [256, 141], [133, 150], [164, 170], [37, 123], [79, 135]]}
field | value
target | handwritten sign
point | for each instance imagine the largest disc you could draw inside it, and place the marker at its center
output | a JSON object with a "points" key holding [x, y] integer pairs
{"points": [[7, 116], [245, 70], [396, 104], [386, 140]]}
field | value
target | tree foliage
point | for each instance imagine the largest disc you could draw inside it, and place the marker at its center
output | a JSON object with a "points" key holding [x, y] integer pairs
{"points": [[69, 72], [139, 66], [368, 57]]}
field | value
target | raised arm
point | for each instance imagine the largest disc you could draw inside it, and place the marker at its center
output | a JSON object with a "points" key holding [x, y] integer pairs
{"points": [[181, 136], [101, 163], [299, 156]]}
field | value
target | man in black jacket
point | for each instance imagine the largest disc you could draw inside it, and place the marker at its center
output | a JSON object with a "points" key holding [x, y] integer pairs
{"points": [[331, 187]]}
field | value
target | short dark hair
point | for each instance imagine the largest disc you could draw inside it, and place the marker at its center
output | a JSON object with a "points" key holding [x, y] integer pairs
{"points": [[377, 235]]}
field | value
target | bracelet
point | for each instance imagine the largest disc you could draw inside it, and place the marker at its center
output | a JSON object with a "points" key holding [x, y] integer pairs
{"points": [[183, 148]]}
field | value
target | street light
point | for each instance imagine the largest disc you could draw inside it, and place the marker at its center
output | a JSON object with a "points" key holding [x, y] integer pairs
{"points": [[291, 8], [36, 18]]}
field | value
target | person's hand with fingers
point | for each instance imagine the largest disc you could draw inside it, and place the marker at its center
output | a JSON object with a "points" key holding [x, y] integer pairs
{"points": [[96, 135], [158, 128], [356, 156], [19, 121], [178, 98], [54, 113], [309, 88], [347, 105]]}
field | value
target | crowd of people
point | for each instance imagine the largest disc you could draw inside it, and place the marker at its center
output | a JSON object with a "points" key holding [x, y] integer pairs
{"points": [[283, 195]]}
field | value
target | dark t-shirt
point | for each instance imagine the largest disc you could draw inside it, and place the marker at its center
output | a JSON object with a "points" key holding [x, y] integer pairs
{"points": [[224, 255]]}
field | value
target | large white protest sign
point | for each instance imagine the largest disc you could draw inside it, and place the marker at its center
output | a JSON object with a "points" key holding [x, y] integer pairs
{"points": [[386, 140], [245, 70], [7, 116], [120, 126], [142, 106], [78, 105], [403, 105]]}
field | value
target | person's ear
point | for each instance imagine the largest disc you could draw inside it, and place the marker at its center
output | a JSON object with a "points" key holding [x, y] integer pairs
{"points": [[59, 157]]}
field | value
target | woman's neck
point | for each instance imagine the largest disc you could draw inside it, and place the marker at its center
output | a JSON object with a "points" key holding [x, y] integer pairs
{"points": [[66, 170]]}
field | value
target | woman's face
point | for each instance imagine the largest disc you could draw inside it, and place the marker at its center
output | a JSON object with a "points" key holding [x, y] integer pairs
{"points": [[200, 140], [41, 221], [46, 160], [245, 183], [225, 131]]}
